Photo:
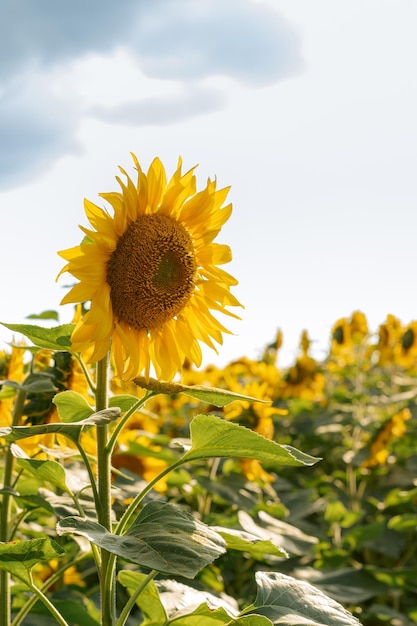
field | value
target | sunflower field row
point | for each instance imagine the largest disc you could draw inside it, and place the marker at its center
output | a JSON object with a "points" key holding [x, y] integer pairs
{"points": [[346, 524]]}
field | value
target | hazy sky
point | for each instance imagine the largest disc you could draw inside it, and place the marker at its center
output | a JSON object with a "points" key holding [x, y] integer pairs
{"points": [[308, 109]]}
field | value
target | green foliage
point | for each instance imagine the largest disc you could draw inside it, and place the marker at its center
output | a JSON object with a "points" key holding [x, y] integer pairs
{"points": [[323, 532], [285, 600], [71, 429], [55, 338], [72, 407], [163, 538], [210, 395], [212, 437], [21, 557]]}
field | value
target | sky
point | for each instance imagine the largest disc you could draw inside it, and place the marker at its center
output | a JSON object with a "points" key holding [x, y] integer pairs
{"points": [[307, 109]]}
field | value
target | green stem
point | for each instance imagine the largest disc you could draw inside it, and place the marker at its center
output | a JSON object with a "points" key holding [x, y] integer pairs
{"points": [[126, 519], [86, 373], [5, 532], [121, 424], [207, 497], [107, 582], [55, 577], [89, 469], [132, 600], [52, 609]]}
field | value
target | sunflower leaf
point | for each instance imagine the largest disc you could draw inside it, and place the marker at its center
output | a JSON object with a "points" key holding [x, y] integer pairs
{"points": [[6, 392], [163, 537], [55, 338], [19, 557], [210, 395], [213, 436], [217, 397], [47, 471], [125, 402], [251, 544], [72, 406], [287, 536], [205, 614], [34, 383], [45, 315], [15, 433], [187, 606], [204, 608], [71, 430], [288, 601], [148, 601]]}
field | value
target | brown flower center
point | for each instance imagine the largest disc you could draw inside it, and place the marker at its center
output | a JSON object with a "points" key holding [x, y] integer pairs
{"points": [[152, 271]]}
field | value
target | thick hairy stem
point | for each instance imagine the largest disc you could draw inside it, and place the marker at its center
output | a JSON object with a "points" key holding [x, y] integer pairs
{"points": [[5, 603], [107, 583]]}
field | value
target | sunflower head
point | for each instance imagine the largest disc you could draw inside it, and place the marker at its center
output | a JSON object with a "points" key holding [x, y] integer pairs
{"points": [[151, 273]]}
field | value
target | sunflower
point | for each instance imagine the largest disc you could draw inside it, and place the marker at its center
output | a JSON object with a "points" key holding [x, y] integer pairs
{"points": [[151, 273], [12, 367]]}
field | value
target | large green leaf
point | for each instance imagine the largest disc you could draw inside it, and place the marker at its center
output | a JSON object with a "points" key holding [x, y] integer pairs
{"points": [[290, 602], [19, 557], [56, 338], [213, 436], [163, 537]]}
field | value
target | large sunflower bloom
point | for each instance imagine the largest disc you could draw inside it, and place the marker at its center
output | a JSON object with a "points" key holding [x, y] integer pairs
{"points": [[151, 273]]}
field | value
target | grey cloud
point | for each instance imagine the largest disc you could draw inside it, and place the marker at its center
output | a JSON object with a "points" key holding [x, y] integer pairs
{"points": [[35, 129], [191, 102], [178, 40], [185, 39], [182, 39], [49, 32]]}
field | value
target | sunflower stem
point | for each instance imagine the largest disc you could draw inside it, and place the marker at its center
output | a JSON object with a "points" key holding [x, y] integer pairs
{"points": [[122, 422], [5, 511], [49, 605], [132, 600], [107, 583], [86, 373]]}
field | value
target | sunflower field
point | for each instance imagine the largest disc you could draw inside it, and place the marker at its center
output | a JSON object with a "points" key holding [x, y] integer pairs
{"points": [[139, 488], [344, 525]]}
